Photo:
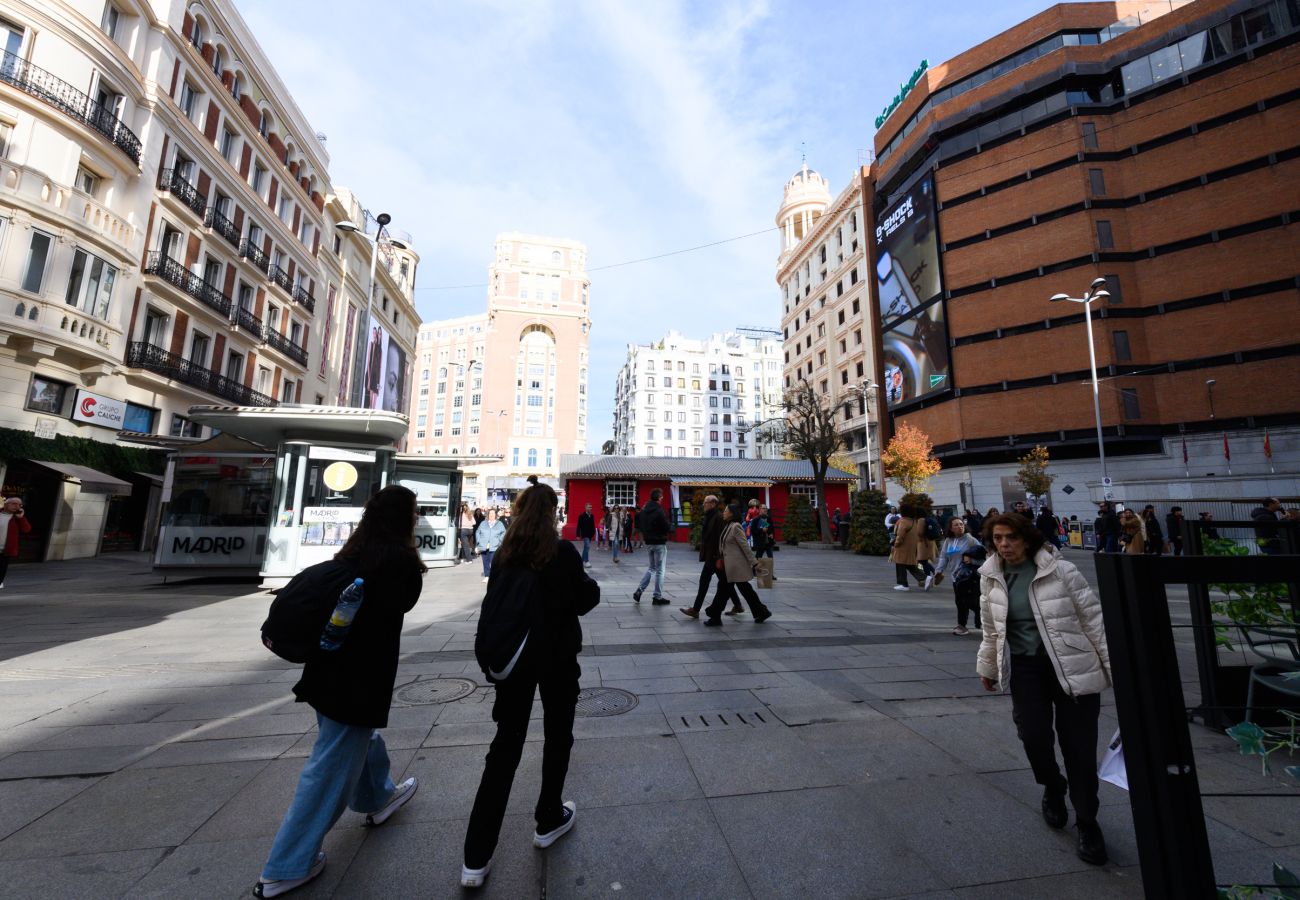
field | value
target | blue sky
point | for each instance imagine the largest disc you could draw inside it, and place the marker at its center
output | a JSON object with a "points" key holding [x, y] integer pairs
{"points": [[637, 128]]}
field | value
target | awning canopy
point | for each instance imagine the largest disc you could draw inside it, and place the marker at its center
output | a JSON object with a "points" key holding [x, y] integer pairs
{"points": [[712, 482], [92, 480], [318, 424]]}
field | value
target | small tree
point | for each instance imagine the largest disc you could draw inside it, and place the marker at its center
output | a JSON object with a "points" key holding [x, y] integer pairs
{"points": [[909, 459], [810, 434], [867, 533], [799, 524], [697, 518], [1033, 476]]}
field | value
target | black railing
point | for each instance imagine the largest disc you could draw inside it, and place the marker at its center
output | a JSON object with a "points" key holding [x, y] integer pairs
{"points": [[222, 226], [174, 183], [53, 90], [304, 297], [247, 321], [161, 362], [278, 341], [277, 275], [254, 254], [169, 270]]}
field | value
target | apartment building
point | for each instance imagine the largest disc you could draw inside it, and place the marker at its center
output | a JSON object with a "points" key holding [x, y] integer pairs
{"points": [[687, 397]]}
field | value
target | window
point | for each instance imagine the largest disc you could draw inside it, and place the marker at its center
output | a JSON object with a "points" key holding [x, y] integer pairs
{"points": [[38, 256], [112, 18], [183, 427], [548, 457], [287, 389], [139, 419], [235, 367], [1123, 353], [1113, 288], [713, 435], [1097, 182], [1129, 397], [90, 284], [199, 349], [46, 395], [259, 178], [6, 134], [155, 328], [532, 457], [805, 490], [87, 181], [1089, 136], [187, 101], [1105, 238]]}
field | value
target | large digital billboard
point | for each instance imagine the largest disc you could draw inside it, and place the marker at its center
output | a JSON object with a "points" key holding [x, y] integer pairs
{"points": [[385, 378], [914, 332]]}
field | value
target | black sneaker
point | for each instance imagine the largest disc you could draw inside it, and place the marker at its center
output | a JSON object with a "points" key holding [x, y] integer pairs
{"points": [[713, 623], [1092, 846], [660, 601], [762, 617], [568, 812], [636, 595], [1054, 812]]}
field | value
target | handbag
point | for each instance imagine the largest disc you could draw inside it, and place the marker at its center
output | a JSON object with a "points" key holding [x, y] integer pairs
{"points": [[719, 565], [1112, 767]]}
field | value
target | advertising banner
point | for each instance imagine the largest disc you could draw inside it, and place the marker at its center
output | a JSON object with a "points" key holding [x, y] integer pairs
{"points": [[915, 332], [213, 546], [96, 409], [385, 379]]}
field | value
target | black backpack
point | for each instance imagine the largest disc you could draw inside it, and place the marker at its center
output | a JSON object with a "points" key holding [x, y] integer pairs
{"points": [[511, 612], [300, 610], [932, 529]]}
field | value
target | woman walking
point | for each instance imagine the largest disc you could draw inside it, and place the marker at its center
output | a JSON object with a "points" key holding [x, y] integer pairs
{"points": [[1044, 639], [351, 689], [1130, 533], [13, 525], [487, 539], [614, 531], [562, 592], [909, 532], [465, 526], [738, 564], [956, 544]]}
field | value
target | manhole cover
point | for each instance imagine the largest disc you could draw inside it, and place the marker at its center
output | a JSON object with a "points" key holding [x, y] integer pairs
{"points": [[435, 690], [603, 701]]}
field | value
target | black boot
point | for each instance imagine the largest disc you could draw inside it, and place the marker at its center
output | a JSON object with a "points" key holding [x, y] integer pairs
{"points": [[1092, 845]]}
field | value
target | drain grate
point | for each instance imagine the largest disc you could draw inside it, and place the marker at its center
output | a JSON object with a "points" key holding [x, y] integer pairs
{"points": [[435, 690], [712, 721], [603, 701]]}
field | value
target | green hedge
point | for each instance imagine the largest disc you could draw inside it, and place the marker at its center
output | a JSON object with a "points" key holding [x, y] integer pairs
{"points": [[111, 458], [867, 533]]}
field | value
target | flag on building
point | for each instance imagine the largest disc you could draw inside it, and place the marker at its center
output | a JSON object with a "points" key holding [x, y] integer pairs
{"points": [[1227, 454], [1184, 452], [1268, 448]]}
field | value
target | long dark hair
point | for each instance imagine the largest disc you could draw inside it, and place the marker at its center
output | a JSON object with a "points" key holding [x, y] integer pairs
{"points": [[531, 539], [385, 536]]}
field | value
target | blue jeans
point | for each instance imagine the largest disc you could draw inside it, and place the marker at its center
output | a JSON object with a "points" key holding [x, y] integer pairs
{"points": [[487, 562], [586, 549], [613, 545], [658, 556], [349, 767]]}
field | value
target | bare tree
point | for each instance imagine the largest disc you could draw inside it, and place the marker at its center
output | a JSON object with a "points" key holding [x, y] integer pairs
{"points": [[810, 434]]}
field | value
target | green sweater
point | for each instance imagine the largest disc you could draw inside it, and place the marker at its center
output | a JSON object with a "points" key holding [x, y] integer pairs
{"points": [[1022, 630]]}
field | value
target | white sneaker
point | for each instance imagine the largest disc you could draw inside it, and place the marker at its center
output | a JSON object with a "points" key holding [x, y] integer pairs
{"points": [[960, 631], [285, 885], [485, 579], [901, 587], [586, 565], [405, 791], [929, 582], [474, 878], [542, 841]]}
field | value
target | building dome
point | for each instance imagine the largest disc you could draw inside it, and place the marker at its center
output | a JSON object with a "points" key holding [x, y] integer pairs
{"points": [[807, 197]]}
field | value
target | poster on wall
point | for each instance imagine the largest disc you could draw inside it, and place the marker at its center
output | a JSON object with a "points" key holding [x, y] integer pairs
{"points": [[394, 378], [385, 380], [914, 329]]}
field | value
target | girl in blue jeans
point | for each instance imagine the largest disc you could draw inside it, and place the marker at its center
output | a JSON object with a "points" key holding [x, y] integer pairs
{"points": [[351, 689], [488, 539]]}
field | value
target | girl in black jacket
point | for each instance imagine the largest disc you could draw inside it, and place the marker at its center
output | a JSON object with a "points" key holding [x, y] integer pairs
{"points": [[549, 662], [351, 689]]}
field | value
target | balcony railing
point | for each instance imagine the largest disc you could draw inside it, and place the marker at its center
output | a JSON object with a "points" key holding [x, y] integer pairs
{"points": [[140, 355], [246, 320], [278, 341], [49, 88], [222, 226], [174, 183], [304, 297], [169, 270], [254, 254], [277, 275]]}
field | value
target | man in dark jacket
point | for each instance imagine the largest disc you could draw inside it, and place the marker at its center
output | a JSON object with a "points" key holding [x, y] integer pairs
{"points": [[654, 531], [1050, 528], [710, 531], [1266, 531], [1174, 529], [1107, 529], [586, 531]]}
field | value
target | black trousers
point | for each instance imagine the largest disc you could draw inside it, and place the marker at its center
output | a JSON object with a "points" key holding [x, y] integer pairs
{"points": [[900, 571], [765, 550], [1037, 702], [728, 591], [513, 705], [4, 567], [707, 573], [967, 603]]}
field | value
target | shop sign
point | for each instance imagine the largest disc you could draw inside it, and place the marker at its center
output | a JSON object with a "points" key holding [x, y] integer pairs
{"points": [[46, 429], [434, 541], [903, 90], [210, 546], [96, 409]]}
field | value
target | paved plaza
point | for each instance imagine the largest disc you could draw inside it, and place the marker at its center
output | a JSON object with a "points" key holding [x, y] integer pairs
{"points": [[149, 746]]}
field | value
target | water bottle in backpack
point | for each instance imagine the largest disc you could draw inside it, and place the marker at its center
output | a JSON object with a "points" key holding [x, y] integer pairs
{"points": [[340, 621]]}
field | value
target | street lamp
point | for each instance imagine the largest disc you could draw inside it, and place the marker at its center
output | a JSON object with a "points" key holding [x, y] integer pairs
{"points": [[866, 391], [363, 333], [1209, 387], [1096, 291]]}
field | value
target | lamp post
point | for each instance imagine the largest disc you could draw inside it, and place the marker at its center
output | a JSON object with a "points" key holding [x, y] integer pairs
{"points": [[1209, 389], [866, 391], [1095, 291], [356, 394]]}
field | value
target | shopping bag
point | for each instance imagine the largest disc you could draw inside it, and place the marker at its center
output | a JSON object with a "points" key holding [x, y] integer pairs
{"points": [[1112, 764], [766, 568]]}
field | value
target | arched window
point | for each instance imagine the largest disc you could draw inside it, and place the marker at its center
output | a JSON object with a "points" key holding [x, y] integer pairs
{"points": [[532, 457], [555, 257], [236, 87], [217, 60], [196, 34], [264, 124]]}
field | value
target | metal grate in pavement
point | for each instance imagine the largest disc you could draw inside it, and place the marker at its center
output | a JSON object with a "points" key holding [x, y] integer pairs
{"points": [[688, 723], [603, 701], [434, 691]]}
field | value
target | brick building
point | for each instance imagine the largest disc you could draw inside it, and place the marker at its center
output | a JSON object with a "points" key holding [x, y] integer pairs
{"points": [[1155, 145]]}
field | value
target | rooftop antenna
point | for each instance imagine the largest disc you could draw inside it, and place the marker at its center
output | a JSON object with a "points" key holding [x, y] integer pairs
{"points": [[803, 153]]}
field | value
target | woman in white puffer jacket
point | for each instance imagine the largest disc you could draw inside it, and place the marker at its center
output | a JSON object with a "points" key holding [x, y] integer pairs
{"points": [[1044, 641]]}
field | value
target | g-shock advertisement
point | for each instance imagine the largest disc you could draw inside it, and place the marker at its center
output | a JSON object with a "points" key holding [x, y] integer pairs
{"points": [[915, 335]]}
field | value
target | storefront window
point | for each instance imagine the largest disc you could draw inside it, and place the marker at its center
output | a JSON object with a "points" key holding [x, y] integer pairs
{"points": [[221, 491]]}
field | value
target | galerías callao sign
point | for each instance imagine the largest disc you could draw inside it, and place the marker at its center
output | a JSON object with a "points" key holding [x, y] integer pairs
{"points": [[903, 90]]}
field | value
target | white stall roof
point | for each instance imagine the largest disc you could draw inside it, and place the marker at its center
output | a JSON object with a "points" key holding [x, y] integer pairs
{"points": [[271, 426], [92, 481]]}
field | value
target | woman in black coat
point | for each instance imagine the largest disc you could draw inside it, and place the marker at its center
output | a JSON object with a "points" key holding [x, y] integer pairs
{"points": [[351, 689], [549, 662]]}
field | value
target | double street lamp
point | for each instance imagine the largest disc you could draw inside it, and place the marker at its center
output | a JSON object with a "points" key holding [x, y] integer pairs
{"points": [[1096, 291], [357, 392], [866, 392]]}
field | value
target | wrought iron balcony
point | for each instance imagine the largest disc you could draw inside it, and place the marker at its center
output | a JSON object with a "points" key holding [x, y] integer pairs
{"points": [[169, 270], [222, 226], [246, 320], [277, 275], [304, 297], [47, 87], [140, 355], [279, 342], [174, 183], [254, 254]]}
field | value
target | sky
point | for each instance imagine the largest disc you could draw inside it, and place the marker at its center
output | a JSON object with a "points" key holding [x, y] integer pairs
{"points": [[638, 128]]}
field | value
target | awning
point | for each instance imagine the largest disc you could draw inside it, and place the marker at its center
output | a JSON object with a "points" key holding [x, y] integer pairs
{"points": [[92, 481], [713, 482]]}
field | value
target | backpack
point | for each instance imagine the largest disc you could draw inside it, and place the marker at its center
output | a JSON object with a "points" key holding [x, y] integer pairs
{"points": [[932, 529], [509, 615], [300, 610]]}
